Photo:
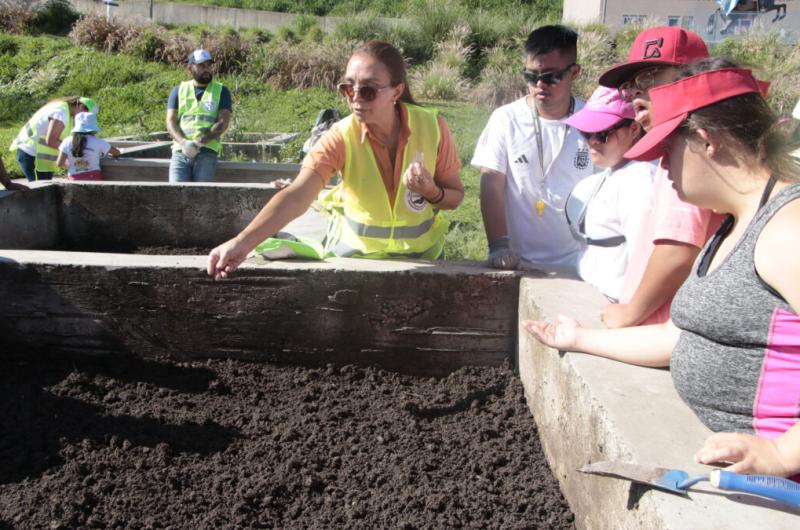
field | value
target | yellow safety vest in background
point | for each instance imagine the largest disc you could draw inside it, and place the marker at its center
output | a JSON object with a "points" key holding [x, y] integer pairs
{"points": [[196, 117], [46, 156], [367, 225]]}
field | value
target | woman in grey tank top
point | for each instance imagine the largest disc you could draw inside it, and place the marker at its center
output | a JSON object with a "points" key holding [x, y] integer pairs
{"points": [[733, 342]]}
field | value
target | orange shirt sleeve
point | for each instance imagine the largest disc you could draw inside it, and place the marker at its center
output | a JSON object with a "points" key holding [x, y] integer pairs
{"points": [[326, 157], [448, 165]]}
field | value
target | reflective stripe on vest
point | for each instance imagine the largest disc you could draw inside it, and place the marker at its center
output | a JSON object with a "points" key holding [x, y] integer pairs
{"points": [[196, 117], [372, 227]]}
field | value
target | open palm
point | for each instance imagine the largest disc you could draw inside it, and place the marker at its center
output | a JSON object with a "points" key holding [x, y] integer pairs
{"points": [[560, 335]]}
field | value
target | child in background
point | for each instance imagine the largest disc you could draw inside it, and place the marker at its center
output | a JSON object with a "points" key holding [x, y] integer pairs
{"points": [[82, 151], [605, 211]]}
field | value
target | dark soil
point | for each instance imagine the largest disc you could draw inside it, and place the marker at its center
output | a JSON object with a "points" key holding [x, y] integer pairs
{"points": [[126, 248], [172, 251], [126, 443]]}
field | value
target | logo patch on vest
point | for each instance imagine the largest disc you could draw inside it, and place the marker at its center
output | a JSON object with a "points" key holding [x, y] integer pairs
{"points": [[415, 202], [209, 106], [581, 158]]}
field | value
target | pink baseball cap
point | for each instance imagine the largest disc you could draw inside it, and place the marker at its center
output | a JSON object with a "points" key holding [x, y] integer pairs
{"points": [[672, 103], [603, 110], [664, 45]]}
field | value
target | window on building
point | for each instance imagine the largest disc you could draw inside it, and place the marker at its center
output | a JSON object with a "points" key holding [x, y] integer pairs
{"points": [[682, 21], [633, 19]]}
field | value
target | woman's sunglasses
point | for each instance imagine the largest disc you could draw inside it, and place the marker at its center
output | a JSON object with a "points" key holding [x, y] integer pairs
{"points": [[602, 136], [367, 92], [548, 78]]}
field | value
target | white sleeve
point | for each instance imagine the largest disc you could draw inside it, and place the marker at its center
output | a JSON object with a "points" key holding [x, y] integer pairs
{"points": [[105, 147], [60, 115], [491, 151], [66, 145]]}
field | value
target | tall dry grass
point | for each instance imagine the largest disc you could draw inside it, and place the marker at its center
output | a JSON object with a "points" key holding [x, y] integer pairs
{"points": [[442, 78], [596, 54], [309, 64], [16, 16], [501, 79], [771, 59]]}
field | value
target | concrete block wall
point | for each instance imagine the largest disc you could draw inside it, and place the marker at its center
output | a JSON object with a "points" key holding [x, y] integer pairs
{"points": [[121, 216], [29, 220], [411, 317], [179, 13], [102, 215]]}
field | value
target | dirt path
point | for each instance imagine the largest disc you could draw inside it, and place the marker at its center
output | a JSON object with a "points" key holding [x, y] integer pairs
{"points": [[226, 444]]}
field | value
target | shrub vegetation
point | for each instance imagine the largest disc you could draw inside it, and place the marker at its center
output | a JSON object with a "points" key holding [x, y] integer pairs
{"points": [[463, 60]]}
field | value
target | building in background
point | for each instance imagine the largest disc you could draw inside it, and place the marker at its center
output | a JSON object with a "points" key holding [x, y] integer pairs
{"points": [[701, 16]]}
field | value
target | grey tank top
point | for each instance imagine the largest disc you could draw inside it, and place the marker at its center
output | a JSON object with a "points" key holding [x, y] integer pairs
{"points": [[727, 318]]}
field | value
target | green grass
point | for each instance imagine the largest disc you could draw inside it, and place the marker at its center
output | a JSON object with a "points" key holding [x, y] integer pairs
{"points": [[133, 93]]}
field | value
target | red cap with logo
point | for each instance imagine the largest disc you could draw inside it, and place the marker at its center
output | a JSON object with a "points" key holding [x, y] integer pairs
{"points": [[665, 45], [672, 103]]}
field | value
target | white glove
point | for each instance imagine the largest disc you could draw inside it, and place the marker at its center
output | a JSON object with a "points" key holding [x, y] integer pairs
{"points": [[501, 256], [190, 148]]}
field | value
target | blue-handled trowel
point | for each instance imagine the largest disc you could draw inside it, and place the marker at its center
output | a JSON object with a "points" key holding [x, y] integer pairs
{"points": [[677, 481]]}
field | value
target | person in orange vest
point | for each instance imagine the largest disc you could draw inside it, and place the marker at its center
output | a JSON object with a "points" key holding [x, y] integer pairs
{"points": [[399, 168]]}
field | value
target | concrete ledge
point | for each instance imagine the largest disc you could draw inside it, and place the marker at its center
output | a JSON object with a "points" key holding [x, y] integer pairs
{"points": [[157, 170], [590, 409], [414, 317]]}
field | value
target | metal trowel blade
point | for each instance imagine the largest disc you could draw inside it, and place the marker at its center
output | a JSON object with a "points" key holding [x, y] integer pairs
{"points": [[657, 477]]}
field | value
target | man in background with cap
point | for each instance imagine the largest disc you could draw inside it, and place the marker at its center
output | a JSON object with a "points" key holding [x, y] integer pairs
{"points": [[198, 112], [673, 231], [530, 160]]}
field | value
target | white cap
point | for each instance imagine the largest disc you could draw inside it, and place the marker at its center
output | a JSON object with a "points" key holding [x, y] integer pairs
{"points": [[85, 122], [200, 56]]}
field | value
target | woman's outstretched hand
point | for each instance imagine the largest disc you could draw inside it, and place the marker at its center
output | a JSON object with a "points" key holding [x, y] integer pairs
{"points": [[224, 259], [561, 335]]}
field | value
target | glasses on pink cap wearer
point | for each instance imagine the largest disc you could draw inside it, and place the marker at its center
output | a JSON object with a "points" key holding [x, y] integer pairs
{"points": [[672, 103], [661, 46]]}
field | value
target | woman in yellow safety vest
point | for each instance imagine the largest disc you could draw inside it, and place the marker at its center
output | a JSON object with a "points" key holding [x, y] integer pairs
{"points": [[399, 167], [37, 142]]}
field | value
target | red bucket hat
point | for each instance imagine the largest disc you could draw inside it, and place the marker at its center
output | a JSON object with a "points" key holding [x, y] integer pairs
{"points": [[672, 103], [666, 45]]}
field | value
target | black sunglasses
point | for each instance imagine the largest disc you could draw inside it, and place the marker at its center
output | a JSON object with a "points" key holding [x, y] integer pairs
{"points": [[548, 78], [602, 136], [367, 92]]}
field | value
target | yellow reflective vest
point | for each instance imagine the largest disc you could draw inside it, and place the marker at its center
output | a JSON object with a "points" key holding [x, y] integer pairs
{"points": [[196, 117], [364, 222], [46, 156]]}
